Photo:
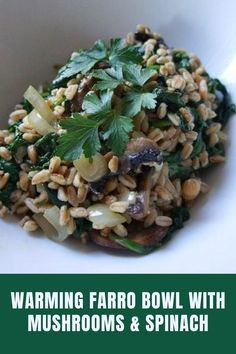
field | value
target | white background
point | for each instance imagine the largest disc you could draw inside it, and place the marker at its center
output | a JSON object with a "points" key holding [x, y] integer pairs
{"points": [[34, 35]]}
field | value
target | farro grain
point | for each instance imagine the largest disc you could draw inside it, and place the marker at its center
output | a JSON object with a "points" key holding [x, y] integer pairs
{"points": [[191, 189], [186, 151], [213, 139], [64, 216], [113, 164], [30, 226], [54, 164], [128, 181], [191, 135], [30, 137], [72, 196], [177, 82], [119, 207], [163, 193], [40, 177], [15, 195], [203, 158], [187, 114], [109, 199], [213, 128], [24, 181], [194, 96], [150, 219], [145, 124], [32, 153], [61, 195], [120, 230], [70, 175], [163, 221], [9, 139], [174, 118], [62, 170], [58, 178], [155, 135], [58, 111], [29, 202], [217, 158], [162, 110], [71, 91], [182, 138], [5, 153], [17, 115], [4, 211], [4, 179], [152, 60], [196, 163], [203, 89], [78, 212], [82, 192], [76, 180]]}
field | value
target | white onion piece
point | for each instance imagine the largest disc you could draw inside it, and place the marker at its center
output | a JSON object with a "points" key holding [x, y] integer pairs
{"points": [[101, 216], [52, 216], [39, 124], [91, 170], [47, 228], [37, 101], [129, 197]]}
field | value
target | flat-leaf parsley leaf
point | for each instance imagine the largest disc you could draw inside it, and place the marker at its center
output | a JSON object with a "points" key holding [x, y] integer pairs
{"points": [[81, 137], [83, 61]]}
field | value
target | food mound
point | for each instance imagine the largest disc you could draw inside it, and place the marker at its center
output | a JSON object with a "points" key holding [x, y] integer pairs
{"points": [[112, 150]]}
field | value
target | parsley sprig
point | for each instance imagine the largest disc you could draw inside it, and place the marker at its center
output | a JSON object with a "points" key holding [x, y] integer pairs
{"points": [[106, 120], [85, 132], [117, 54]]}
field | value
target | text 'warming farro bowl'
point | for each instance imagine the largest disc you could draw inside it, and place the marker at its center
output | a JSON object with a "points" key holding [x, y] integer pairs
{"points": [[112, 151]]}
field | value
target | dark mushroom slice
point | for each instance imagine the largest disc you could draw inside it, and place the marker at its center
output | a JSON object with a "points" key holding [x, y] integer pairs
{"points": [[139, 240], [103, 241], [75, 105], [140, 152], [150, 236]]}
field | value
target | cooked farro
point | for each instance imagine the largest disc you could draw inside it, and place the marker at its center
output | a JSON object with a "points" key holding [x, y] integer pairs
{"points": [[113, 153]]}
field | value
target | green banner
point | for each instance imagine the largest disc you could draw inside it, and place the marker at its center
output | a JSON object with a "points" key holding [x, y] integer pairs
{"points": [[117, 313]]}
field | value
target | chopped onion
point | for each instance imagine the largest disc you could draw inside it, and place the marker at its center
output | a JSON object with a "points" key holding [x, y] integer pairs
{"points": [[39, 124], [37, 101], [52, 216], [129, 197], [91, 170], [47, 228], [101, 216]]}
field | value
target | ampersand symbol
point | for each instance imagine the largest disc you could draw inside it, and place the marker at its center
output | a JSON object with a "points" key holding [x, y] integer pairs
{"points": [[134, 326]]}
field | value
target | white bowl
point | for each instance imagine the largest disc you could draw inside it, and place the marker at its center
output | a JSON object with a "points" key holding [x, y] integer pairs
{"points": [[34, 35]]}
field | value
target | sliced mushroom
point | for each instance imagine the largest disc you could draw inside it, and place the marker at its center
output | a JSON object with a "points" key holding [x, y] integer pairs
{"points": [[75, 105], [150, 236], [140, 152], [103, 241]]}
